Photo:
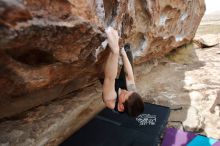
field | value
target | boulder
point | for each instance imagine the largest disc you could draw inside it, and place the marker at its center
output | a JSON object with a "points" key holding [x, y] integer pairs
{"points": [[207, 41], [49, 49], [49, 125]]}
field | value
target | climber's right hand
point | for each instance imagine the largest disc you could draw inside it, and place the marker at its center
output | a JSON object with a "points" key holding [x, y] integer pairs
{"points": [[113, 39]]}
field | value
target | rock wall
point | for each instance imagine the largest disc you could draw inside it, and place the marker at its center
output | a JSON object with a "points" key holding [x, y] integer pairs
{"points": [[51, 124], [50, 48]]}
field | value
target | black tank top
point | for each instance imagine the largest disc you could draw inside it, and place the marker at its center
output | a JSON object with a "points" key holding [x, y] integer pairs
{"points": [[119, 83]]}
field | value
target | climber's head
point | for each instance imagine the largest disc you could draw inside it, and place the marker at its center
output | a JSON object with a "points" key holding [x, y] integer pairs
{"points": [[130, 102]]}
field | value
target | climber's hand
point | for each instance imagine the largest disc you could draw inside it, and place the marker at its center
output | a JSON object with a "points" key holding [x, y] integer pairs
{"points": [[113, 38], [123, 53]]}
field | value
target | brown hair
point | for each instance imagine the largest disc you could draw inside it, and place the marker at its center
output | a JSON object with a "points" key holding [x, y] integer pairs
{"points": [[134, 105]]}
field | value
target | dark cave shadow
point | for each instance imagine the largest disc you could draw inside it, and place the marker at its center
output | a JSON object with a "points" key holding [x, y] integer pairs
{"points": [[9, 82], [15, 96]]}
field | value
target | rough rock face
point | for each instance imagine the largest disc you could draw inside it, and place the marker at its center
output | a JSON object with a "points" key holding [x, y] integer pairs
{"points": [[187, 81], [207, 41], [50, 48], [49, 125]]}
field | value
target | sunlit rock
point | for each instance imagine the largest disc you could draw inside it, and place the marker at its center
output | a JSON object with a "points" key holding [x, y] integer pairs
{"points": [[51, 48]]}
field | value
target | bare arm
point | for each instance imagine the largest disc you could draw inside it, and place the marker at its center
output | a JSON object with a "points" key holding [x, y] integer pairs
{"points": [[111, 67], [129, 75]]}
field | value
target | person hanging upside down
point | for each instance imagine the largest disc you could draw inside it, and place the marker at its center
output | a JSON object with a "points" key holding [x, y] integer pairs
{"points": [[120, 94]]}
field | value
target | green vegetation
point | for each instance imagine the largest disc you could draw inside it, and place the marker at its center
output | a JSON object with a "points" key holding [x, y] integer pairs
{"points": [[183, 55]]}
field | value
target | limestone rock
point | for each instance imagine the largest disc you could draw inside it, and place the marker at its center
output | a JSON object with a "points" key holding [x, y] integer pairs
{"points": [[53, 123], [52, 48], [207, 41], [188, 116], [190, 87], [193, 121]]}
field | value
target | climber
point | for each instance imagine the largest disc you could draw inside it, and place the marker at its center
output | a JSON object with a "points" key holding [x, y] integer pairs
{"points": [[119, 94]]}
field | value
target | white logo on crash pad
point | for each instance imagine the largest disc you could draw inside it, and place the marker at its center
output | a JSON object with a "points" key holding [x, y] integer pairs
{"points": [[146, 119]]}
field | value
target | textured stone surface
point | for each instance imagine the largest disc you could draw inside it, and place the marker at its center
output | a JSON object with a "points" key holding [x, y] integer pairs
{"points": [[188, 85], [208, 40], [53, 47], [52, 123], [50, 54]]}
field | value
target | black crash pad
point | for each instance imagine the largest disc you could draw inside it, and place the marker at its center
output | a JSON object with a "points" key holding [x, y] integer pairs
{"points": [[109, 128]]}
